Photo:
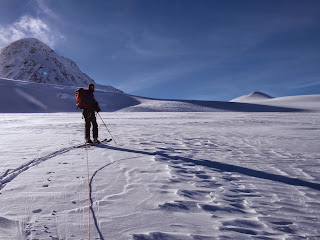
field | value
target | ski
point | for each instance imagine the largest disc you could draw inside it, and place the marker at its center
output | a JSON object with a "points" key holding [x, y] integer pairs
{"points": [[105, 140], [93, 144]]}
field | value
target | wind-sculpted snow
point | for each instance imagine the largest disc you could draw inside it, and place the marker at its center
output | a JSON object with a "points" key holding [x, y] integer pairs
{"points": [[172, 176]]}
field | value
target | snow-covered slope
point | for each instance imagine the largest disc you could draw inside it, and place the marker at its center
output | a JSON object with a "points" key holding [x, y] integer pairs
{"points": [[158, 105], [32, 60], [27, 97], [288, 104], [306, 102], [252, 97]]}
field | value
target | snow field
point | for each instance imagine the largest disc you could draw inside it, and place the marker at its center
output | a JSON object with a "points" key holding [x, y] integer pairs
{"points": [[172, 176]]}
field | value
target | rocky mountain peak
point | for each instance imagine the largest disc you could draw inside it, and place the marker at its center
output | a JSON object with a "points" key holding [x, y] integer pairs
{"points": [[32, 60], [27, 46]]}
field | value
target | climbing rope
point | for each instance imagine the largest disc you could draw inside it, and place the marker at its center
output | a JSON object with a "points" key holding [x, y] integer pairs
{"points": [[88, 192]]}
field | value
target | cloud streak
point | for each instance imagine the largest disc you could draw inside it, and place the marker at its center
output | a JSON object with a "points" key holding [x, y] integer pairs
{"points": [[44, 9], [28, 26], [150, 79]]}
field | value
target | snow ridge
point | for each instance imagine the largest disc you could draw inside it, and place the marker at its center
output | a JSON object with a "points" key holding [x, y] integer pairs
{"points": [[252, 97]]}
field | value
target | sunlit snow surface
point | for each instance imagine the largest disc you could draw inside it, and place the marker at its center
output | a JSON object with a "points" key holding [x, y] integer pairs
{"points": [[172, 176]]}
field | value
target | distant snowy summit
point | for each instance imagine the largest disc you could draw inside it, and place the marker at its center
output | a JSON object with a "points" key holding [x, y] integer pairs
{"points": [[252, 97], [32, 60], [288, 103]]}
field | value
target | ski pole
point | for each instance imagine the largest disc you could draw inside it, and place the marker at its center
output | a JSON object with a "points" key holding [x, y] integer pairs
{"points": [[108, 129]]}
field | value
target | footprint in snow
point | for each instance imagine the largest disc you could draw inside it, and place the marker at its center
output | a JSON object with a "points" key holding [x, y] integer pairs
{"points": [[37, 210]]}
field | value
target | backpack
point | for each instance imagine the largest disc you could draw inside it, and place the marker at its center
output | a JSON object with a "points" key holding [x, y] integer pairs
{"points": [[81, 98]]}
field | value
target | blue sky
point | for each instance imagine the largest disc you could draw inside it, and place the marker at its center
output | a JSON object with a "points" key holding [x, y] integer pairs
{"points": [[183, 49]]}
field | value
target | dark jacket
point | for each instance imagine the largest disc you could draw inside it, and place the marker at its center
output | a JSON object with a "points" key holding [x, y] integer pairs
{"points": [[91, 101]]}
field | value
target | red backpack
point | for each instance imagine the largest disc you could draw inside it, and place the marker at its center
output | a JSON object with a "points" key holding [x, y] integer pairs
{"points": [[81, 95]]}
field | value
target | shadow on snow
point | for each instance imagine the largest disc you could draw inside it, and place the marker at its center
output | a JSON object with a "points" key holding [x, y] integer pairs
{"points": [[226, 168]]}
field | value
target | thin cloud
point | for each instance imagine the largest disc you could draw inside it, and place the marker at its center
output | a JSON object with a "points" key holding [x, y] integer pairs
{"points": [[308, 84], [150, 45], [44, 9], [28, 26], [147, 80]]}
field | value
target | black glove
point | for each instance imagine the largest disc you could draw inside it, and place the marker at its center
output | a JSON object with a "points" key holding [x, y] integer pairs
{"points": [[95, 106]]}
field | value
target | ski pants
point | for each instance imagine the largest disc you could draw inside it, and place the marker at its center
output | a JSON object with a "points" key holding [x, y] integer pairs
{"points": [[90, 117]]}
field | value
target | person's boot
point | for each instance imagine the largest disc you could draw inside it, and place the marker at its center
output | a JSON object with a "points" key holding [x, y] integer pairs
{"points": [[89, 141], [96, 141]]}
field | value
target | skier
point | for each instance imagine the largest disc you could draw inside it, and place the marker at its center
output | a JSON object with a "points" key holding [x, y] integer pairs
{"points": [[90, 117]]}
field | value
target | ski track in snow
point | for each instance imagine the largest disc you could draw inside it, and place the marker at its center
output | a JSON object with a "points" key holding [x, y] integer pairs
{"points": [[235, 176], [10, 174]]}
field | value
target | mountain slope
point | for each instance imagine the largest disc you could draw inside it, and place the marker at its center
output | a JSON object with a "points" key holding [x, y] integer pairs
{"points": [[27, 97], [32, 60], [252, 97]]}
